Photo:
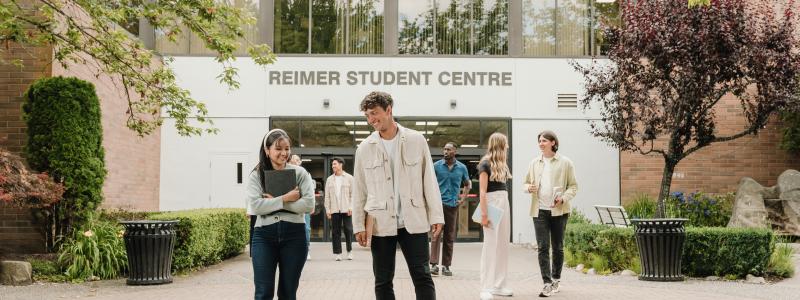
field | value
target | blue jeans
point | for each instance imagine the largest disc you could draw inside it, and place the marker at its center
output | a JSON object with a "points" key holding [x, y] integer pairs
{"points": [[308, 229], [280, 245]]}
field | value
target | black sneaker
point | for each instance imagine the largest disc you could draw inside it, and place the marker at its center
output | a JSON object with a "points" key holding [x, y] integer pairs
{"points": [[446, 271], [435, 270]]}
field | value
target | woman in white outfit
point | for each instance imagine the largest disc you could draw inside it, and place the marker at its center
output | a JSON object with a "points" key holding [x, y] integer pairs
{"points": [[493, 175]]}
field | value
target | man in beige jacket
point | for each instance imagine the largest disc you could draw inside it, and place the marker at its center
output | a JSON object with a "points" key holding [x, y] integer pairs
{"points": [[396, 186], [339, 208]]}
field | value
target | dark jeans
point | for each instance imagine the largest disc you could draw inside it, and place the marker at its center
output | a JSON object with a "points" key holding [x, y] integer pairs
{"points": [[280, 245], [447, 237], [342, 220], [415, 251], [550, 230]]}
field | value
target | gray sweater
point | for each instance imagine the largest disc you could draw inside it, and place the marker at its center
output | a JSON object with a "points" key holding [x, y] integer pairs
{"points": [[267, 209]]}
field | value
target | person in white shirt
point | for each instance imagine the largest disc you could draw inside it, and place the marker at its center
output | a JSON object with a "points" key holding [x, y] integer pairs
{"points": [[551, 182], [396, 186], [339, 207]]}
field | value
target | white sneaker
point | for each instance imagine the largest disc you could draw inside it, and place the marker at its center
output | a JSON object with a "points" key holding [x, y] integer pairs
{"points": [[308, 257], [555, 285], [338, 257], [547, 291], [505, 292], [486, 295], [349, 255]]}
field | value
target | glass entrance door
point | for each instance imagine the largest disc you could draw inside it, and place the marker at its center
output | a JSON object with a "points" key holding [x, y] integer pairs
{"points": [[319, 166], [467, 230]]}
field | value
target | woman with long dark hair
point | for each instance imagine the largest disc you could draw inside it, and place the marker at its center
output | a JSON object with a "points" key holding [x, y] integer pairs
{"points": [[278, 238]]}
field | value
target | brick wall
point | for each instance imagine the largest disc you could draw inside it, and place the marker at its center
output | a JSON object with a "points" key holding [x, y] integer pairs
{"points": [[19, 232], [716, 168], [132, 162]]}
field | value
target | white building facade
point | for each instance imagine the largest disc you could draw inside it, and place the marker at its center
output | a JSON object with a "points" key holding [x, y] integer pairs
{"points": [[447, 95]]}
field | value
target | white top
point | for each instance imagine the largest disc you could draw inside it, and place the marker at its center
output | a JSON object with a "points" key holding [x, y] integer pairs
{"points": [[337, 180], [546, 186], [391, 147]]}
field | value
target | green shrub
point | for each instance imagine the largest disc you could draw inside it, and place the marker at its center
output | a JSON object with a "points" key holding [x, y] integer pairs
{"points": [[46, 270], [618, 247], [780, 262], [65, 140], [721, 251], [206, 236], [642, 207], [577, 217], [116, 215], [707, 250], [701, 209], [579, 239], [94, 249], [589, 242]]}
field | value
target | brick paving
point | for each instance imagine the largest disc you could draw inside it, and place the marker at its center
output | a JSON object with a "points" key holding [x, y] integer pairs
{"points": [[324, 278]]}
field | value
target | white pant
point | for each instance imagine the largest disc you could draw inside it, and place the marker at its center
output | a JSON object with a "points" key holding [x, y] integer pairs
{"points": [[494, 256]]}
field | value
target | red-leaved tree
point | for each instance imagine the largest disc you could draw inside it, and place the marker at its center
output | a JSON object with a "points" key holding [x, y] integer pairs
{"points": [[670, 64]]}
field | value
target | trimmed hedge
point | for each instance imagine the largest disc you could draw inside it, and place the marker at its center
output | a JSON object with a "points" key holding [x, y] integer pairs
{"points": [[707, 251], [206, 236], [723, 251]]}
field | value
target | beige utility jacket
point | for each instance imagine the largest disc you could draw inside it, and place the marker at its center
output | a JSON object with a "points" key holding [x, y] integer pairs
{"points": [[562, 174], [373, 191], [334, 205]]}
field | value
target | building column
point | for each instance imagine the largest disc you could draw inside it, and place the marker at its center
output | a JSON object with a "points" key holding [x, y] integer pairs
{"points": [[390, 27]]}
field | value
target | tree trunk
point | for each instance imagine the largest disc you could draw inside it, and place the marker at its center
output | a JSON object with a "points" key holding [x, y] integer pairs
{"points": [[666, 182]]}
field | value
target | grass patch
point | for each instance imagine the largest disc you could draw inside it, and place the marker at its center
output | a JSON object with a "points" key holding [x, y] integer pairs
{"points": [[780, 262]]}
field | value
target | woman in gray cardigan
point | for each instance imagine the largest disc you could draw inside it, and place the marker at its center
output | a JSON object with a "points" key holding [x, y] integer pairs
{"points": [[279, 239]]}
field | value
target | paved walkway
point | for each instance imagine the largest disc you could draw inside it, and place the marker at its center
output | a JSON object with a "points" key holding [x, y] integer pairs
{"points": [[326, 279]]}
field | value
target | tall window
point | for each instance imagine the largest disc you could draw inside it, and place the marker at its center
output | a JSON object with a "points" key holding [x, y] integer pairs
{"points": [[189, 43], [455, 27], [336, 26], [291, 26], [565, 27]]}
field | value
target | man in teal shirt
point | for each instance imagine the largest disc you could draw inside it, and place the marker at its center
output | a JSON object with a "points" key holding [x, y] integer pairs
{"points": [[452, 176]]}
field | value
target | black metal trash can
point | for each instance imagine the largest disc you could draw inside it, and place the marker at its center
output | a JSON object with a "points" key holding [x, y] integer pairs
{"points": [[149, 245], [660, 243]]}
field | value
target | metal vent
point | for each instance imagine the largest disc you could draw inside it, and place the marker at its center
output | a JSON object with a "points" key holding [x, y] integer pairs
{"points": [[567, 101]]}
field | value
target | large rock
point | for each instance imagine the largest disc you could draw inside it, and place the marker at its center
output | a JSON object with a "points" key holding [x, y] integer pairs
{"points": [[15, 272], [789, 185], [748, 208]]}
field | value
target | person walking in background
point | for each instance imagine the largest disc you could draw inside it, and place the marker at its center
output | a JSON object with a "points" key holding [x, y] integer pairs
{"points": [[295, 160], [339, 207], [551, 182], [452, 176], [493, 173], [278, 241], [396, 185]]}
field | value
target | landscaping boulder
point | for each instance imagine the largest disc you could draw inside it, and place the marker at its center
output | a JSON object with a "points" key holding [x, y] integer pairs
{"points": [[15, 272], [776, 207], [748, 208]]}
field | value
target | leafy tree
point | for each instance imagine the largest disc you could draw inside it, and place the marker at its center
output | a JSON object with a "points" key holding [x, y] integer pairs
{"points": [[790, 141], [670, 65], [84, 30]]}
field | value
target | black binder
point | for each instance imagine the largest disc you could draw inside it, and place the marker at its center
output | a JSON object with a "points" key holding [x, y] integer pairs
{"points": [[279, 182]]}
